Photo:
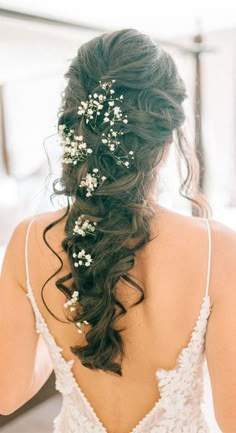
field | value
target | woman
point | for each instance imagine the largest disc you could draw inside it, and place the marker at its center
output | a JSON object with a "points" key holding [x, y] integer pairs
{"points": [[127, 297]]}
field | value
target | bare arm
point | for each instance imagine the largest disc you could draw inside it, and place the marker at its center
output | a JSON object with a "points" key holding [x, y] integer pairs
{"points": [[25, 364], [221, 329]]}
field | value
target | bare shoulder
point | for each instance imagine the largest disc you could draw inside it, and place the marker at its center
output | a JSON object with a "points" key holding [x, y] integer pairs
{"points": [[14, 259], [39, 223], [222, 235], [192, 233]]}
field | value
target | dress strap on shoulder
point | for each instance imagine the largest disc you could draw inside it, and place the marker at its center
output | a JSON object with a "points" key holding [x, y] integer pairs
{"points": [[26, 255], [209, 256]]}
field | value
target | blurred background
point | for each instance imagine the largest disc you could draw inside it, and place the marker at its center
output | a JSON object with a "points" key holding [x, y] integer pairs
{"points": [[37, 43]]}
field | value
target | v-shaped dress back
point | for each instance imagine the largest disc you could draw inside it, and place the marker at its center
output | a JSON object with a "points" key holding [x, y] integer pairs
{"points": [[180, 408]]}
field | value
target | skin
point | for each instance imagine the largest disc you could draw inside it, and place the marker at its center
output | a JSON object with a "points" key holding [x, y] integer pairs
{"points": [[167, 317]]}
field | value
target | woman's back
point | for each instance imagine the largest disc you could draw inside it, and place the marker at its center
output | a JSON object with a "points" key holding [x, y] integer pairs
{"points": [[121, 111], [172, 270]]}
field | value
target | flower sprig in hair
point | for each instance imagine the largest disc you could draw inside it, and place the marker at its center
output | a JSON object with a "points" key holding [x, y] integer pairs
{"points": [[92, 108], [74, 147], [92, 181], [111, 140], [98, 104], [84, 259], [83, 227], [71, 304]]}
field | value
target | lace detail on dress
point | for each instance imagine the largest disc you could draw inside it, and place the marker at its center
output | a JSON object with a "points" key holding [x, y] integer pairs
{"points": [[181, 388], [77, 404]]}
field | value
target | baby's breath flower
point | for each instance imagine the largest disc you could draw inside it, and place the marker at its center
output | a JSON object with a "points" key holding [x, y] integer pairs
{"points": [[72, 301], [74, 148], [85, 259], [83, 227], [91, 182], [71, 304]]}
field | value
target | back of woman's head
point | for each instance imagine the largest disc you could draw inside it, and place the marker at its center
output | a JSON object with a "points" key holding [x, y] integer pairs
{"points": [[100, 225]]}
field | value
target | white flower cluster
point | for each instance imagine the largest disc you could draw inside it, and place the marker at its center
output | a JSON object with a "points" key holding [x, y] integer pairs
{"points": [[93, 105], [72, 301], [75, 300], [91, 109], [84, 259], [83, 227], [91, 181], [79, 324], [111, 140], [74, 147]]}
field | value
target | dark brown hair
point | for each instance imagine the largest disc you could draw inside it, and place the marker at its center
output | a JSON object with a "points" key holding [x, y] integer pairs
{"points": [[153, 94]]}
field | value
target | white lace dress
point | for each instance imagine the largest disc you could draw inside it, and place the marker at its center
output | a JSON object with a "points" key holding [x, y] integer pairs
{"points": [[180, 408]]}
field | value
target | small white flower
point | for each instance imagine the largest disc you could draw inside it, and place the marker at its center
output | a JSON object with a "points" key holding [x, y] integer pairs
{"points": [[88, 260], [116, 110], [62, 127], [81, 232]]}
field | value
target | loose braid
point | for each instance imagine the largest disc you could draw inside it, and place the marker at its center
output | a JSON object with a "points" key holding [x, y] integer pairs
{"points": [[153, 94]]}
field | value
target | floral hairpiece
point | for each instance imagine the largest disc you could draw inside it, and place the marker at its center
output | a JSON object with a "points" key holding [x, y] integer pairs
{"points": [[92, 181], [84, 227], [75, 300], [91, 109], [74, 147], [105, 104]]}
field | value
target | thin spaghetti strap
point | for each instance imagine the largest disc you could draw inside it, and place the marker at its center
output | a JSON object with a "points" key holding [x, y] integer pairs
{"points": [[209, 257], [26, 255]]}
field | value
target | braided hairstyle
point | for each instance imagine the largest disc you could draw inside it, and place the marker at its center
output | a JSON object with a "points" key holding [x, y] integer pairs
{"points": [[153, 94]]}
